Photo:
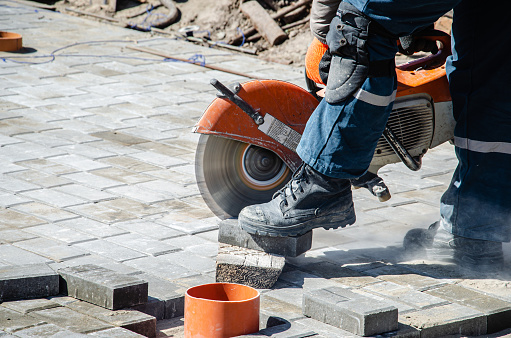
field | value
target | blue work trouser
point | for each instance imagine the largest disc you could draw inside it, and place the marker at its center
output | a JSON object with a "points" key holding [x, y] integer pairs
{"points": [[477, 203], [339, 140]]}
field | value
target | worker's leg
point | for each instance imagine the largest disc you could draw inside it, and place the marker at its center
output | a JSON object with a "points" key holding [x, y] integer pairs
{"points": [[478, 202], [476, 208]]}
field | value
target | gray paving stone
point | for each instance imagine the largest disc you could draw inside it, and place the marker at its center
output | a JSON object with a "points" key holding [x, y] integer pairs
{"points": [[134, 207], [283, 330], [8, 168], [72, 136], [139, 194], [103, 287], [342, 275], [116, 332], [27, 281], [93, 181], [29, 305], [129, 319], [158, 159], [14, 219], [17, 256], [44, 139], [102, 213], [47, 330], [153, 230], [60, 233], [9, 199], [153, 307], [12, 321], [161, 267], [129, 163], [191, 228], [416, 299], [274, 311], [14, 185], [169, 188], [171, 294], [11, 236], [79, 162], [86, 151], [349, 311], [497, 311], [42, 179], [71, 320], [54, 198], [446, 320], [231, 233], [109, 250], [406, 277], [44, 211], [92, 227], [86, 193], [143, 244], [47, 166], [122, 175], [52, 249]]}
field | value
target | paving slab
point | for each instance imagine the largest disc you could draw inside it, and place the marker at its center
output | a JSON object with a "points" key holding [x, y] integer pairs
{"points": [[231, 233], [445, 320], [103, 287], [12, 321], [129, 319], [27, 281], [497, 311], [70, 320], [349, 311]]}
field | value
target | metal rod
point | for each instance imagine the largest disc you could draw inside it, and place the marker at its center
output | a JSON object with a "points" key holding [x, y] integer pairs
{"points": [[168, 56]]}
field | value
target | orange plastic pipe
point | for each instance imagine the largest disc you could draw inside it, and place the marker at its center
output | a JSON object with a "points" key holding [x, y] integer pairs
{"points": [[221, 310], [10, 42]]}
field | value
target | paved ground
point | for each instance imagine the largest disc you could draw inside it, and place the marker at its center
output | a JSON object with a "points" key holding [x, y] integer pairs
{"points": [[97, 166]]}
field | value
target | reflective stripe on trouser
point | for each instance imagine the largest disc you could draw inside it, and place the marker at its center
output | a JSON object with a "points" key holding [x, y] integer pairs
{"points": [[477, 203], [339, 139]]}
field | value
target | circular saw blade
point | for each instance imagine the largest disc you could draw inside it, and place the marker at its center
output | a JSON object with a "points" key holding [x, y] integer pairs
{"points": [[222, 178]]}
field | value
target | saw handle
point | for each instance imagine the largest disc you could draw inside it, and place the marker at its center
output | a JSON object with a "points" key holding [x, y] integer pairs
{"points": [[433, 60], [238, 101]]}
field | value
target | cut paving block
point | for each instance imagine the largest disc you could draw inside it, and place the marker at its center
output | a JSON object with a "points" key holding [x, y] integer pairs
{"points": [[249, 267], [103, 287], [350, 311], [497, 311], [28, 281], [231, 233]]}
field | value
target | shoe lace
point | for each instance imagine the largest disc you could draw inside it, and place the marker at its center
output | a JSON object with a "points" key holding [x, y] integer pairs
{"points": [[294, 185]]}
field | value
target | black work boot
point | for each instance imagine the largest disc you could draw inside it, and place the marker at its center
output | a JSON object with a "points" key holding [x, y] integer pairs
{"points": [[309, 200], [438, 244]]}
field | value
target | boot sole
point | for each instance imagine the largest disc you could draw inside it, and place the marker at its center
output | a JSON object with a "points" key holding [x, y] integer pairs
{"points": [[332, 221]]}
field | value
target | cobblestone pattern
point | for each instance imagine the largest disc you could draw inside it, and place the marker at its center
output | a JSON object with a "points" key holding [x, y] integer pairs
{"points": [[97, 167]]}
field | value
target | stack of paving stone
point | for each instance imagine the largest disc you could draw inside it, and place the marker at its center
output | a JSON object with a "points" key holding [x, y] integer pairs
{"points": [[74, 301]]}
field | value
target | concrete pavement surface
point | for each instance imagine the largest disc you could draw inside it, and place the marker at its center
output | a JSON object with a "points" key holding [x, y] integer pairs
{"points": [[97, 167]]}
